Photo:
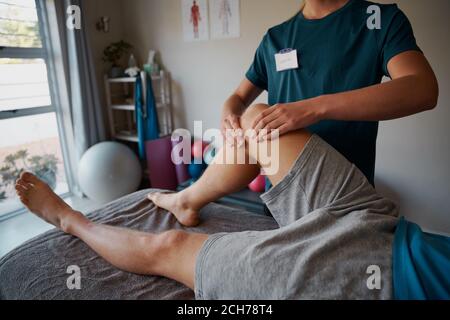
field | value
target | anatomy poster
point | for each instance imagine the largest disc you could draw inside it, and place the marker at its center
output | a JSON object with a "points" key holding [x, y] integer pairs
{"points": [[225, 19], [195, 20]]}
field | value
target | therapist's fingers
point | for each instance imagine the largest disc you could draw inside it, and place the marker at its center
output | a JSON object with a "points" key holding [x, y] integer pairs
{"points": [[268, 122], [233, 131], [227, 130], [272, 121], [275, 124], [261, 116], [263, 122], [228, 133], [275, 133], [232, 122], [235, 122], [238, 133], [285, 128]]}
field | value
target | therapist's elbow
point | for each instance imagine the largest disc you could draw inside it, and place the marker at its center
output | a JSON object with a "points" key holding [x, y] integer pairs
{"points": [[430, 96], [431, 101]]}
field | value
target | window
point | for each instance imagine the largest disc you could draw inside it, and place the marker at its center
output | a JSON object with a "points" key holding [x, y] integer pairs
{"points": [[29, 134]]}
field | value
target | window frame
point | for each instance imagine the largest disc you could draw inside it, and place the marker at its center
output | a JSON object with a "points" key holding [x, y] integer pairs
{"points": [[26, 53]]}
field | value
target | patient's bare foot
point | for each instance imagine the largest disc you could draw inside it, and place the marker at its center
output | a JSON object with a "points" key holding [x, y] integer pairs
{"points": [[176, 204], [39, 198]]}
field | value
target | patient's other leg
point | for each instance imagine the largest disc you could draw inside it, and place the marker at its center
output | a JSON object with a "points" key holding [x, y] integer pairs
{"points": [[222, 179], [217, 181]]}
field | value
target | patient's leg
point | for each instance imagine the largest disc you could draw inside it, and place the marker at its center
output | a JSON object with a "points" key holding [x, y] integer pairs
{"points": [[218, 180], [171, 254], [222, 179]]}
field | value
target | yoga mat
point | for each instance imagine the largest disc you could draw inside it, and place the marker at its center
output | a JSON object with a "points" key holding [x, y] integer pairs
{"points": [[146, 115], [181, 169], [162, 171]]}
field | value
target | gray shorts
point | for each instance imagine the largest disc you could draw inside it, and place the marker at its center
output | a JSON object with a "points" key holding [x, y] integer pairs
{"points": [[334, 241]]}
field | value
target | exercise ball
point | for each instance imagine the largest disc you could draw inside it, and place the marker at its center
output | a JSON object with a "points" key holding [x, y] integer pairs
{"points": [[209, 154], [198, 147], [259, 184], [109, 170], [196, 170]]}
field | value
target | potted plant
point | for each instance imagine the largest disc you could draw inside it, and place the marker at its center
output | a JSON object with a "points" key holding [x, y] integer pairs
{"points": [[44, 167], [113, 54]]}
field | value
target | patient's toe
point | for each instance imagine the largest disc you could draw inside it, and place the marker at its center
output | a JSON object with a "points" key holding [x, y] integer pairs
{"points": [[29, 178], [21, 188]]}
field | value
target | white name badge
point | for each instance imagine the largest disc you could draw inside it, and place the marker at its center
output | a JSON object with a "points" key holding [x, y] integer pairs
{"points": [[286, 61]]}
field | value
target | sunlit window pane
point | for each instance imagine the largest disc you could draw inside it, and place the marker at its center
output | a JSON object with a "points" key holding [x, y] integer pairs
{"points": [[19, 26], [23, 84], [29, 143]]}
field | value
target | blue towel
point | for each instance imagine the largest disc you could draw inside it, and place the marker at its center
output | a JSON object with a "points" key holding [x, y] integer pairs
{"points": [[421, 266], [146, 115]]}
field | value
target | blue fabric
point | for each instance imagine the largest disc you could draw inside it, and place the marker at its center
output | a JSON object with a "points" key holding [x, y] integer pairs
{"points": [[335, 54], [421, 264], [146, 115]]}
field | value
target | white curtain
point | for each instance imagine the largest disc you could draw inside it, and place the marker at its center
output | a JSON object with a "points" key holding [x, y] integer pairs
{"points": [[72, 73]]}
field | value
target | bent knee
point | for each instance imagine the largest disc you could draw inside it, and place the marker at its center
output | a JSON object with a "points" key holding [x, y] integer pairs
{"points": [[251, 113]]}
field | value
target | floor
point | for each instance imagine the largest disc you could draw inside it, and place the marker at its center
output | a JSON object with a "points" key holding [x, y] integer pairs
{"points": [[20, 228]]}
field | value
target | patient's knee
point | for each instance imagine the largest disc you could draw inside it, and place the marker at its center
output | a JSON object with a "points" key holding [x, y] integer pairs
{"points": [[250, 115], [172, 238]]}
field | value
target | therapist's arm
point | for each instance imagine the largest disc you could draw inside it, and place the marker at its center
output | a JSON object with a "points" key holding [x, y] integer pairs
{"points": [[413, 89], [236, 104]]}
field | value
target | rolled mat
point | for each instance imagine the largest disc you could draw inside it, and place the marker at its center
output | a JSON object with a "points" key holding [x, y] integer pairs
{"points": [[162, 172], [181, 169]]}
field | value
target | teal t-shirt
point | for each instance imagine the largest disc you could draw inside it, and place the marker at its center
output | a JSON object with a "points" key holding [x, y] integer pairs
{"points": [[335, 54]]}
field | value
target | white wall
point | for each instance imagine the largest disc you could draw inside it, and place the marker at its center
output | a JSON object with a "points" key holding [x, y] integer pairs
{"points": [[413, 162], [204, 73], [95, 9]]}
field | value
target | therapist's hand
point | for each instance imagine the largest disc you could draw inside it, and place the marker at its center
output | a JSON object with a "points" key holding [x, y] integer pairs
{"points": [[231, 129], [286, 117]]}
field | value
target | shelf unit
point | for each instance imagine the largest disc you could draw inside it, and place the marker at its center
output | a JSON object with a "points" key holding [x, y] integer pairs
{"points": [[120, 99]]}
